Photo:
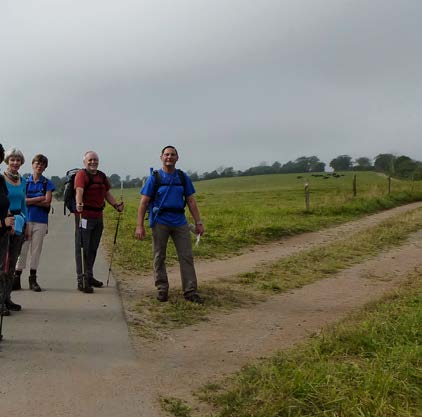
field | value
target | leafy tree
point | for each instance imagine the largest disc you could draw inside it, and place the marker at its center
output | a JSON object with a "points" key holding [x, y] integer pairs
{"points": [[404, 166], [341, 163], [319, 167], [289, 167], [193, 175], [210, 175], [259, 170], [302, 164], [134, 183], [275, 167], [115, 180], [227, 172], [363, 162], [384, 162], [417, 174]]}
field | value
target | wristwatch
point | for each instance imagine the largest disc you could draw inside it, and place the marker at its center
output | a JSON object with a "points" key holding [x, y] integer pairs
{"points": [[199, 223]]}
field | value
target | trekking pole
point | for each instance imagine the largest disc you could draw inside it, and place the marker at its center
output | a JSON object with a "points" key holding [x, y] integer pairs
{"points": [[115, 233], [84, 283], [4, 276]]}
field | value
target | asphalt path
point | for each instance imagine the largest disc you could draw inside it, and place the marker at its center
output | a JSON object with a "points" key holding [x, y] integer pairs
{"points": [[68, 353]]}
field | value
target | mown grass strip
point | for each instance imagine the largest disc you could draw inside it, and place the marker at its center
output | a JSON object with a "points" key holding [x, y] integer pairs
{"points": [[288, 273], [315, 264], [369, 365]]}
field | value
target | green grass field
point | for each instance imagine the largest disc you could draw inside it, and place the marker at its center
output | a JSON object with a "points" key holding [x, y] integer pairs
{"points": [[369, 365], [244, 211]]}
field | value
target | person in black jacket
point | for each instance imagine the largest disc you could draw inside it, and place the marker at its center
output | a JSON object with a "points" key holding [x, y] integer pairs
{"points": [[6, 229]]}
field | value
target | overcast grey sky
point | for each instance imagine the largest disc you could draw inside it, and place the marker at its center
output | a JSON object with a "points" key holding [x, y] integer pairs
{"points": [[228, 82]]}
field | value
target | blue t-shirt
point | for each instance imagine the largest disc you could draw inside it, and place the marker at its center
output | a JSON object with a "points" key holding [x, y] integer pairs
{"points": [[36, 189], [168, 197]]}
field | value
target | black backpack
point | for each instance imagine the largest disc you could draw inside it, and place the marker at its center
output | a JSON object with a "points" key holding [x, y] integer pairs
{"points": [[69, 194], [158, 182]]}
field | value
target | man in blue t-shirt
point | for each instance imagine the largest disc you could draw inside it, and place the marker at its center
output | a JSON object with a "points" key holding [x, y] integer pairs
{"points": [[38, 199], [165, 194]]}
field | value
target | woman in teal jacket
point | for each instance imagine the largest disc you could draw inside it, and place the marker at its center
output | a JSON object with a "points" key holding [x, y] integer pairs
{"points": [[16, 186]]}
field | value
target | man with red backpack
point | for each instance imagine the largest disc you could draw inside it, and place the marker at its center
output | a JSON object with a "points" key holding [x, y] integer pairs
{"points": [[92, 189]]}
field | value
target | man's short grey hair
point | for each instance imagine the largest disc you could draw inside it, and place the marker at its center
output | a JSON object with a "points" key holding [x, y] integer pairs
{"points": [[14, 153], [87, 152]]}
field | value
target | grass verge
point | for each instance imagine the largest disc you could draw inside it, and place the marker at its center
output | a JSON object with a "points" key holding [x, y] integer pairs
{"points": [[178, 313], [369, 365]]}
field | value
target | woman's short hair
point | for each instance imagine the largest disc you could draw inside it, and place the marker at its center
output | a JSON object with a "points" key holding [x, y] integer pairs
{"points": [[42, 159], [1, 153], [14, 152]]}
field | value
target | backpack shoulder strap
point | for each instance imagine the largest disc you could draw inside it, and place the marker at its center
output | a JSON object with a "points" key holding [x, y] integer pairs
{"points": [[103, 176], [91, 177], [156, 174], [182, 180], [44, 186], [157, 183]]}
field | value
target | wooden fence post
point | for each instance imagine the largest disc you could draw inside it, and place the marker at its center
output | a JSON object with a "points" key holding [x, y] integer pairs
{"points": [[307, 195], [354, 186], [389, 184]]}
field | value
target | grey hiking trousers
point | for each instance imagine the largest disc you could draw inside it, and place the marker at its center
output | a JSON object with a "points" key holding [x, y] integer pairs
{"points": [[182, 241]]}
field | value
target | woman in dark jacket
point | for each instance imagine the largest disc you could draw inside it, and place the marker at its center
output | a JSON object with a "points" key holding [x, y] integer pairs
{"points": [[6, 230]]}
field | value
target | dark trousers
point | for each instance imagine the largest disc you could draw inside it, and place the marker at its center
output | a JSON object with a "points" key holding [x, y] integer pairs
{"points": [[14, 247], [91, 237]]}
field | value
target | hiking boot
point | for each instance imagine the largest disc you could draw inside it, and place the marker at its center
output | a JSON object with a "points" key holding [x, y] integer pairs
{"points": [[6, 312], [95, 283], [80, 283], [33, 284], [194, 298], [16, 283], [87, 287], [10, 305], [162, 297]]}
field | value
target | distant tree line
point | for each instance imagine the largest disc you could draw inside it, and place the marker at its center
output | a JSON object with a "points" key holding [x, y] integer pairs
{"points": [[389, 164]]}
